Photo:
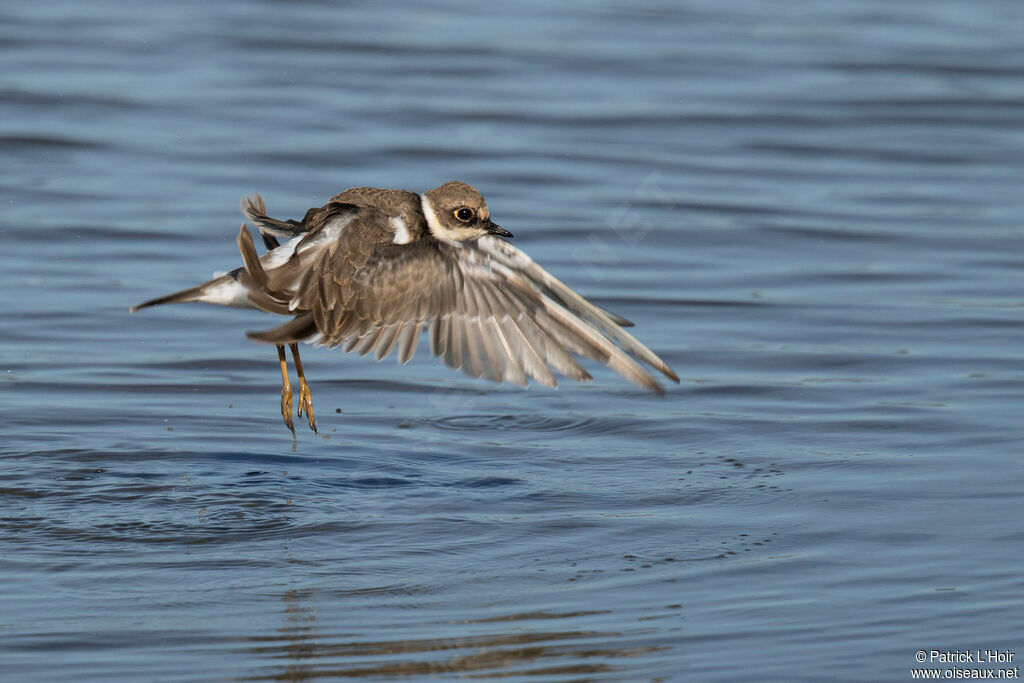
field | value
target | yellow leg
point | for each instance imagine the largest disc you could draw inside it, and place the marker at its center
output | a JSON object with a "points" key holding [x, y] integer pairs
{"points": [[305, 398], [286, 390]]}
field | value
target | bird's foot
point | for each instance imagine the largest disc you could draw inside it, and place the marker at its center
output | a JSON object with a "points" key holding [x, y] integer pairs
{"points": [[286, 408], [306, 405]]}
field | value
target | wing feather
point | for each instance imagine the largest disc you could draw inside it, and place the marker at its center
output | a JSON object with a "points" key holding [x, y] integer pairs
{"points": [[438, 335], [508, 354], [408, 341], [388, 340], [608, 323], [551, 350], [532, 357], [369, 340], [453, 354]]}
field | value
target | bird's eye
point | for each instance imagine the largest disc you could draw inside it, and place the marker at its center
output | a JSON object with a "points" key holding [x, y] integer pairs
{"points": [[465, 215]]}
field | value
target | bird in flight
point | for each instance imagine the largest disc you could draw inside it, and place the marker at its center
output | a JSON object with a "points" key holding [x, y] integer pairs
{"points": [[373, 268]]}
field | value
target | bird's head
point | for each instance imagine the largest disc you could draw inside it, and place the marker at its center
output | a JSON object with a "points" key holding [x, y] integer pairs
{"points": [[456, 212]]}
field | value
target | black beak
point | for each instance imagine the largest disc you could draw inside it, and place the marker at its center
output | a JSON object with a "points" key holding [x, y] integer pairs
{"points": [[496, 229]]}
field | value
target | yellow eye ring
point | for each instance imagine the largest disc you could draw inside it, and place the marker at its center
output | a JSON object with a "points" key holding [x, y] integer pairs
{"points": [[463, 214]]}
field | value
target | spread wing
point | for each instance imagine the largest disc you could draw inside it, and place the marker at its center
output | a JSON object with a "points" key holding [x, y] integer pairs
{"points": [[490, 310], [277, 281]]}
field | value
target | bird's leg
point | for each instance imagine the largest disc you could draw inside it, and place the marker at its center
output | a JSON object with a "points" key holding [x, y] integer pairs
{"points": [[305, 398], [286, 390]]}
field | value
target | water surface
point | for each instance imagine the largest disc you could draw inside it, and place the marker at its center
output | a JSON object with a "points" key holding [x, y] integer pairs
{"points": [[811, 211]]}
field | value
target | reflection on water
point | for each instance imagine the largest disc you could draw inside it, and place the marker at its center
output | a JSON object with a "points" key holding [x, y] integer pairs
{"points": [[300, 651], [811, 211]]}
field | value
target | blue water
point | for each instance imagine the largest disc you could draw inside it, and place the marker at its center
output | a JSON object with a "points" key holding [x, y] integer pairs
{"points": [[811, 211]]}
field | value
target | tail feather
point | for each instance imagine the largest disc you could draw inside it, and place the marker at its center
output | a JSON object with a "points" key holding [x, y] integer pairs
{"points": [[184, 296], [224, 290], [227, 290]]}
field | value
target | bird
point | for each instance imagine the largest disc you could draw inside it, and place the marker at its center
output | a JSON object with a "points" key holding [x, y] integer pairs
{"points": [[373, 268]]}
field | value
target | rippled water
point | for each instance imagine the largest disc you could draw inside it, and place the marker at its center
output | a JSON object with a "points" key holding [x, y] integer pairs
{"points": [[811, 210]]}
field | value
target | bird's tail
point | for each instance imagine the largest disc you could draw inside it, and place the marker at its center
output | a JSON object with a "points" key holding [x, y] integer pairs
{"points": [[225, 290]]}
